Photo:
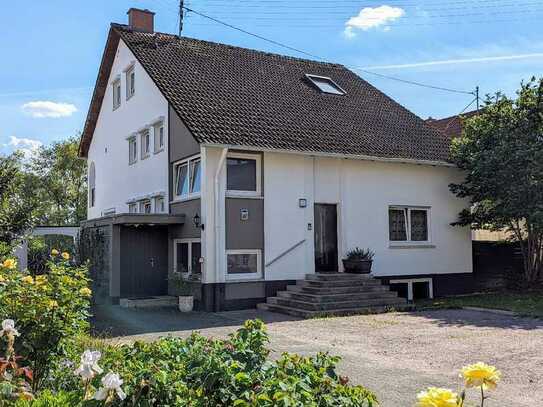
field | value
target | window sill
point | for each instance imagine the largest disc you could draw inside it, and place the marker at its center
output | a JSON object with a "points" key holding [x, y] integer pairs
{"points": [[185, 199], [239, 278], [116, 107], [159, 150], [241, 194], [411, 245], [132, 162], [145, 156], [130, 97]]}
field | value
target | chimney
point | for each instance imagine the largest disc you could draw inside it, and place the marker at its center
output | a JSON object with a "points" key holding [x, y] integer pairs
{"points": [[141, 20]]}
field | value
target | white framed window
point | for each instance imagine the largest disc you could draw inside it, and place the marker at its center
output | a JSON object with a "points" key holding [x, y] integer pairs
{"points": [[116, 85], [415, 287], [132, 150], [187, 257], [409, 224], [145, 144], [187, 176], [243, 175], [160, 205], [130, 82], [132, 207], [145, 206], [159, 136], [92, 185], [244, 264]]}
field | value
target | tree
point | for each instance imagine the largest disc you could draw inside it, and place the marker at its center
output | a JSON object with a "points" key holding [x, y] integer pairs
{"points": [[16, 207], [501, 152], [59, 179]]}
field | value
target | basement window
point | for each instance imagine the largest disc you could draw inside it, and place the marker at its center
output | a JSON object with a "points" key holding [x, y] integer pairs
{"points": [[325, 84], [244, 264]]}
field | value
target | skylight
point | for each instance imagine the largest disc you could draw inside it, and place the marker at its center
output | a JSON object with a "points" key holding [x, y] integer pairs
{"points": [[325, 84]]}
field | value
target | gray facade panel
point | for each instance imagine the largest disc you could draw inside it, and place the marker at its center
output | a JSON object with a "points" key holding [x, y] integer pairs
{"points": [[182, 144], [244, 234], [189, 209], [237, 291]]}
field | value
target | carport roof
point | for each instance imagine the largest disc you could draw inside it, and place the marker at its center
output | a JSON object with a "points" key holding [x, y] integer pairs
{"points": [[136, 219]]}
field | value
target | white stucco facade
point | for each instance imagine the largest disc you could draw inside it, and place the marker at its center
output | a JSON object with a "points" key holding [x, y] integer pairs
{"points": [[363, 192], [118, 182]]}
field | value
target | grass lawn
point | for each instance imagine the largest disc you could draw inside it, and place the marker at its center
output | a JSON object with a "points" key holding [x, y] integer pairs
{"points": [[527, 304]]}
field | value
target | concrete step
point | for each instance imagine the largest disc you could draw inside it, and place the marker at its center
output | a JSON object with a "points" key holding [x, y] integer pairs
{"points": [[332, 313], [330, 306], [340, 283], [311, 289], [318, 298], [149, 302], [337, 277]]}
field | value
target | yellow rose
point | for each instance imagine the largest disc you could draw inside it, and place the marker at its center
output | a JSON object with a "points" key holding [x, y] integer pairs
{"points": [[54, 252], [28, 280], [2, 279], [86, 292], [9, 264], [41, 280], [65, 255], [52, 304], [480, 374], [437, 397]]}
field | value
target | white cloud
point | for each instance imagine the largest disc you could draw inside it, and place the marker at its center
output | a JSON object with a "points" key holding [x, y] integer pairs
{"points": [[46, 108], [27, 146], [372, 17]]}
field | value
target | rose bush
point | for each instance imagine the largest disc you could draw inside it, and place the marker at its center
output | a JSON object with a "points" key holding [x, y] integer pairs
{"points": [[50, 311]]}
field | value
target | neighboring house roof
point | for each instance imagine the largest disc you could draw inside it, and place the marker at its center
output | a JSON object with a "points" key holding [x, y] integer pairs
{"points": [[451, 126], [234, 96]]}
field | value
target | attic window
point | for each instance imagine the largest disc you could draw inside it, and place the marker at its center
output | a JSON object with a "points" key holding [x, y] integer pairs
{"points": [[325, 84]]}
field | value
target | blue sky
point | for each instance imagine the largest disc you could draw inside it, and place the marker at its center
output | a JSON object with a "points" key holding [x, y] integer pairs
{"points": [[52, 49]]}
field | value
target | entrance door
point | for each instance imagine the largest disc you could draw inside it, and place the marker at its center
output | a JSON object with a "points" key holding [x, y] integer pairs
{"points": [[326, 253]]}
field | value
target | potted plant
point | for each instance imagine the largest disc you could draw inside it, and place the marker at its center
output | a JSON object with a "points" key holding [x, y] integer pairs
{"points": [[183, 289], [358, 261]]}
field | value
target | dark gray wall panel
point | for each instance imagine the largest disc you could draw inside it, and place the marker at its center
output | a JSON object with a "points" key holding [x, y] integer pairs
{"points": [[247, 234], [189, 209], [182, 144], [236, 291]]}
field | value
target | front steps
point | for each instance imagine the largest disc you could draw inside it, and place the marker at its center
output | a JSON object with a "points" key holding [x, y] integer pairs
{"points": [[335, 294]]}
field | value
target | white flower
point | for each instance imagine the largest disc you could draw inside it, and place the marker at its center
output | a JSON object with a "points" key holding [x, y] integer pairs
{"points": [[110, 382], [8, 328], [89, 365], [7, 376]]}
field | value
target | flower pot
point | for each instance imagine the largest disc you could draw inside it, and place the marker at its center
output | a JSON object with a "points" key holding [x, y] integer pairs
{"points": [[357, 266], [186, 303]]}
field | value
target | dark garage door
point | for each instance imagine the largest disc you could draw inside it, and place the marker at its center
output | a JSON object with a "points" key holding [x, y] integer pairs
{"points": [[144, 261]]}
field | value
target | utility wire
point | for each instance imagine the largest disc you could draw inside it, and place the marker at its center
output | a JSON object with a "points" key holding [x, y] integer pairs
{"points": [[321, 58], [462, 111]]}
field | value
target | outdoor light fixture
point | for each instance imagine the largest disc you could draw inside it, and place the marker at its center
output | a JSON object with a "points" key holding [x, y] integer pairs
{"points": [[196, 221]]}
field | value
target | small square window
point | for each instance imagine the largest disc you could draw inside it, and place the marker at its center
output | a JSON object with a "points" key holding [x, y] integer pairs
{"points": [[243, 175], [132, 150], [159, 137], [243, 263], [116, 94], [130, 83], [325, 84], [145, 144]]}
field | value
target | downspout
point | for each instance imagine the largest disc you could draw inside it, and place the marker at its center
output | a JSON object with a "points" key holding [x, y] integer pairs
{"points": [[217, 224]]}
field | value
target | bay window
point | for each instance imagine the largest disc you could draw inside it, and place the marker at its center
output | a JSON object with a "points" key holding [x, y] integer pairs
{"points": [[187, 178], [408, 224]]}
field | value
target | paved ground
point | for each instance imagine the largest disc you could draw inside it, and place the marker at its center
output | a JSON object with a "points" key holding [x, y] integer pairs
{"points": [[394, 354]]}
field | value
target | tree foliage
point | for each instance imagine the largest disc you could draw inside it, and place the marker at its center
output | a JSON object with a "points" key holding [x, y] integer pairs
{"points": [[58, 177], [501, 152], [16, 207]]}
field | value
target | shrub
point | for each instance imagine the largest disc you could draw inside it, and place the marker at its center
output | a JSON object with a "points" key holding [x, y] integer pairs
{"points": [[360, 254], [50, 310]]}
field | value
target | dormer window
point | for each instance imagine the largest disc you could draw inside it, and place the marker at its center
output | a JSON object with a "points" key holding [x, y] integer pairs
{"points": [[325, 84]]}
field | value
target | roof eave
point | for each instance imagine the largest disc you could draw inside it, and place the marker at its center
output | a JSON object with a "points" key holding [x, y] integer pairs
{"points": [[398, 160]]}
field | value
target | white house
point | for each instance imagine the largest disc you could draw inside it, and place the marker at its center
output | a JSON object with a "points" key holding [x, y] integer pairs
{"points": [[249, 170]]}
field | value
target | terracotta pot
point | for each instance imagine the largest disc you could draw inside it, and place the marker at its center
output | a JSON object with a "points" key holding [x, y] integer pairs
{"points": [[186, 303], [357, 266]]}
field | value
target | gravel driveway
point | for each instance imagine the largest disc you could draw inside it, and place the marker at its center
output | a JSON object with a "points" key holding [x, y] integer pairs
{"points": [[395, 354]]}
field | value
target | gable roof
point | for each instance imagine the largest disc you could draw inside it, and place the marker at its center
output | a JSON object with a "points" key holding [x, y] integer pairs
{"points": [[234, 96], [451, 126]]}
